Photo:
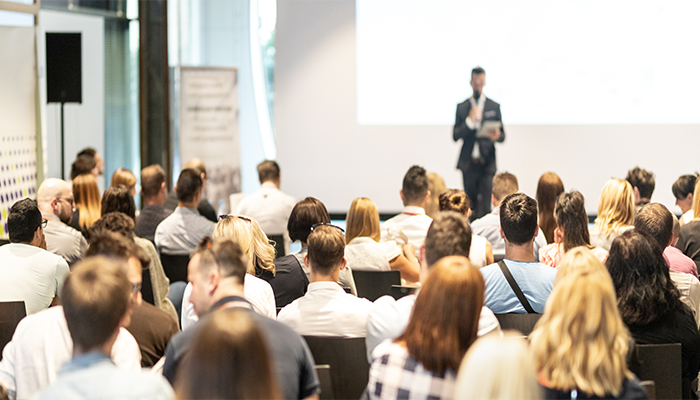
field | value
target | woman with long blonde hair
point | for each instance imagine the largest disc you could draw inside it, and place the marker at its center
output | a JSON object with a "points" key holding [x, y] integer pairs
{"points": [[87, 202], [615, 213], [363, 250], [580, 344]]}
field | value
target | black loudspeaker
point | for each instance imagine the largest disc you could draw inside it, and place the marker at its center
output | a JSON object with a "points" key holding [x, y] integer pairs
{"points": [[64, 68]]}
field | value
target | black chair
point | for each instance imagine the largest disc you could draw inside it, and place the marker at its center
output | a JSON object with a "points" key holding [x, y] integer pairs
{"points": [[347, 358], [175, 266], [11, 312], [279, 244], [4, 242], [375, 284], [661, 363], [649, 388], [324, 377], [524, 323], [398, 291], [147, 286]]}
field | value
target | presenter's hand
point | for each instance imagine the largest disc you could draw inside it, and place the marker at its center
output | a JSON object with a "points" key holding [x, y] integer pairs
{"points": [[494, 134], [474, 113]]}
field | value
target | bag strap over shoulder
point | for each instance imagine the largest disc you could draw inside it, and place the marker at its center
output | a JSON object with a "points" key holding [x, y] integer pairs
{"points": [[516, 288]]}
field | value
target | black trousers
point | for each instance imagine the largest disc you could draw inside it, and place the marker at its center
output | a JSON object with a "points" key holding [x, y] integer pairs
{"points": [[478, 184]]}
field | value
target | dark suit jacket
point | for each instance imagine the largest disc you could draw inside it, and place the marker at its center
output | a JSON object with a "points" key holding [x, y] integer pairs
{"points": [[492, 112]]}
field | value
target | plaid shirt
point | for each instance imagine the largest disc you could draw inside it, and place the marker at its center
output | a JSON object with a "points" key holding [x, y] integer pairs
{"points": [[394, 374]]}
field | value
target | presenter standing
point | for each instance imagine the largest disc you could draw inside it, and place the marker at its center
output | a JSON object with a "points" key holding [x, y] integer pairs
{"points": [[477, 160]]}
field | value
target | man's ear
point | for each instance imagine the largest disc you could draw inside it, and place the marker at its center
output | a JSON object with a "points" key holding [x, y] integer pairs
{"points": [[54, 203], [214, 278], [637, 198], [344, 264], [163, 187], [503, 235], [306, 260], [403, 200], [427, 197]]}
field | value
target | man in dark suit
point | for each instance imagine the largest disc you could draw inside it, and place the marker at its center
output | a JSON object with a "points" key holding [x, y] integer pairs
{"points": [[477, 161]]}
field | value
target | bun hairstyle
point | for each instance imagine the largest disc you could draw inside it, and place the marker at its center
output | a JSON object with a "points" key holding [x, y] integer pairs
{"points": [[454, 200]]}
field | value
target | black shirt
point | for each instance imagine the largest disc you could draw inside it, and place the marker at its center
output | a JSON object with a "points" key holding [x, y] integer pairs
{"points": [[148, 221], [289, 282]]}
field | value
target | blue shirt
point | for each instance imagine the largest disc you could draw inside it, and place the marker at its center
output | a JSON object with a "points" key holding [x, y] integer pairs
{"points": [[94, 376], [535, 280]]}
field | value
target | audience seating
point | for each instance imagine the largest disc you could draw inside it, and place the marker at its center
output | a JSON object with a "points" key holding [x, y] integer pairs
{"points": [[649, 389], [375, 284], [279, 245], [147, 286], [660, 363], [175, 267], [398, 291], [11, 312], [347, 360], [175, 294], [524, 323], [324, 377]]}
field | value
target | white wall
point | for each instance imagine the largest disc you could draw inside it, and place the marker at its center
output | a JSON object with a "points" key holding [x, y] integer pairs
{"points": [[325, 153], [84, 123]]}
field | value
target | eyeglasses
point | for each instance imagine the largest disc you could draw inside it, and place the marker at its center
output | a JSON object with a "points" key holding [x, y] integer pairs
{"points": [[227, 216], [135, 287], [314, 226], [44, 222], [68, 199]]}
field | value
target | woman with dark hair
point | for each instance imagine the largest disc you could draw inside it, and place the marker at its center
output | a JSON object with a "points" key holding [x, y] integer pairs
{"points": [[549, 188], [571, 230], [481, 251], [649, 302], [228, 359], [683, 189], [424, 360], [118, 198]]}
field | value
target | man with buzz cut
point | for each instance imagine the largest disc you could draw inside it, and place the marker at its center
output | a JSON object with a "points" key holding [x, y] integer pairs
{"points": [[325, 309], [55, 201], [154, 194], [518, 228]]}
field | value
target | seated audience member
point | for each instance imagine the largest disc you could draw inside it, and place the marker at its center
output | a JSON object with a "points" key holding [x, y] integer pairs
{"points": [[86, 196], [423, 361], [97, 301], [124, 177], [481, 252], [655, 220], [689, 238], [643, 183], [83, 164], [325, 309], [118, 200], [615, 213], [498, 368], [152, 328], [436, 186], [676, 260], [180, 232], [99, 167], [518, 216], [580, 344], [649, 302], [549, 187], [217, 272], [29, 272], [412, 221], [571, 230], [154, 192], [269, 206], [449, 235], [363, 250], [683, 189], [488, 226], [228, 360], [55, 201], [202, 205]]}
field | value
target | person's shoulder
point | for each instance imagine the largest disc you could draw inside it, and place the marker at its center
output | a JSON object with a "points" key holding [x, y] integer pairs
{"points": [[491, 102], [387, 307], [489, 270]]}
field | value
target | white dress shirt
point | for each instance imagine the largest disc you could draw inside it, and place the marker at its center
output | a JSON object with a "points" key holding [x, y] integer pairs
{"points": [[41, 344], [326, 310], [689, 287], [364, 254], [412, 222], [270, 208], [257, 291], [30, 274], [181, 231]]}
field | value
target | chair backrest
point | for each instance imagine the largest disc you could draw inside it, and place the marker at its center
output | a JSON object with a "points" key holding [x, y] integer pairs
{"points": [[524, 323], [324, 377], [375, 284], [660, 363], [279, 244], [649, 389], [11, 312], [175, 266], [348, 362], [147, 286]]}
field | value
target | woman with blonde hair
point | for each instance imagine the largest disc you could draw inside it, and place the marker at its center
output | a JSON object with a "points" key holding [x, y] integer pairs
{"points": [[615, 213], [363, 250], [549, 188], [443, 325], [496, 368], [481, 251], [580, 344], [124, 177], [87, 202], [436, 185]]}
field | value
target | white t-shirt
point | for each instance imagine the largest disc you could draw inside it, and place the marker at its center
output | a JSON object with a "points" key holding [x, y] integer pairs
{"points": [[477, 252], [270, 208], [412, 222], [364, 254]]}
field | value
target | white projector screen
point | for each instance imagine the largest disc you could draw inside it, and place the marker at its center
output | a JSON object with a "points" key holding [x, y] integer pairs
{"points": [[364, 90]]}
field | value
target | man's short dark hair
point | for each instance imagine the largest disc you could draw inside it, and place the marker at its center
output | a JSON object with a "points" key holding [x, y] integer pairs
{"points": [[449, 235], [114, 244], [152, 178], [84, 164], [189, 182], [415, 184], [683, 186], [224, 254], [23, 221], [519, 218], [88, 151], [478, 71], [643, 180], [268, 170], [326, 249], [118, 198], [657, 221]]}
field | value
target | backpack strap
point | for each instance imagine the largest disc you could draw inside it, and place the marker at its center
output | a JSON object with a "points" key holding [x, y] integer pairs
{"points": [[516, 288]]}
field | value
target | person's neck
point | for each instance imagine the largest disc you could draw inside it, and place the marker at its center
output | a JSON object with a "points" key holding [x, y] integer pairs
{"points": [[105, 348], [316, 277], [192, 205], [277, 185], [522, 253], [420, 205], [227, 289], [155, 201]]}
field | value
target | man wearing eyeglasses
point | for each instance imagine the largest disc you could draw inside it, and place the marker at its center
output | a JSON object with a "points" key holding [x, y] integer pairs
{"points": [[29, 272], [55, 201]]}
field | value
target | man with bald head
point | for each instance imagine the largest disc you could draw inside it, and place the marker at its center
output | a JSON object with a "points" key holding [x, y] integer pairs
{"points": [[55, 201], [204, 208]]}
